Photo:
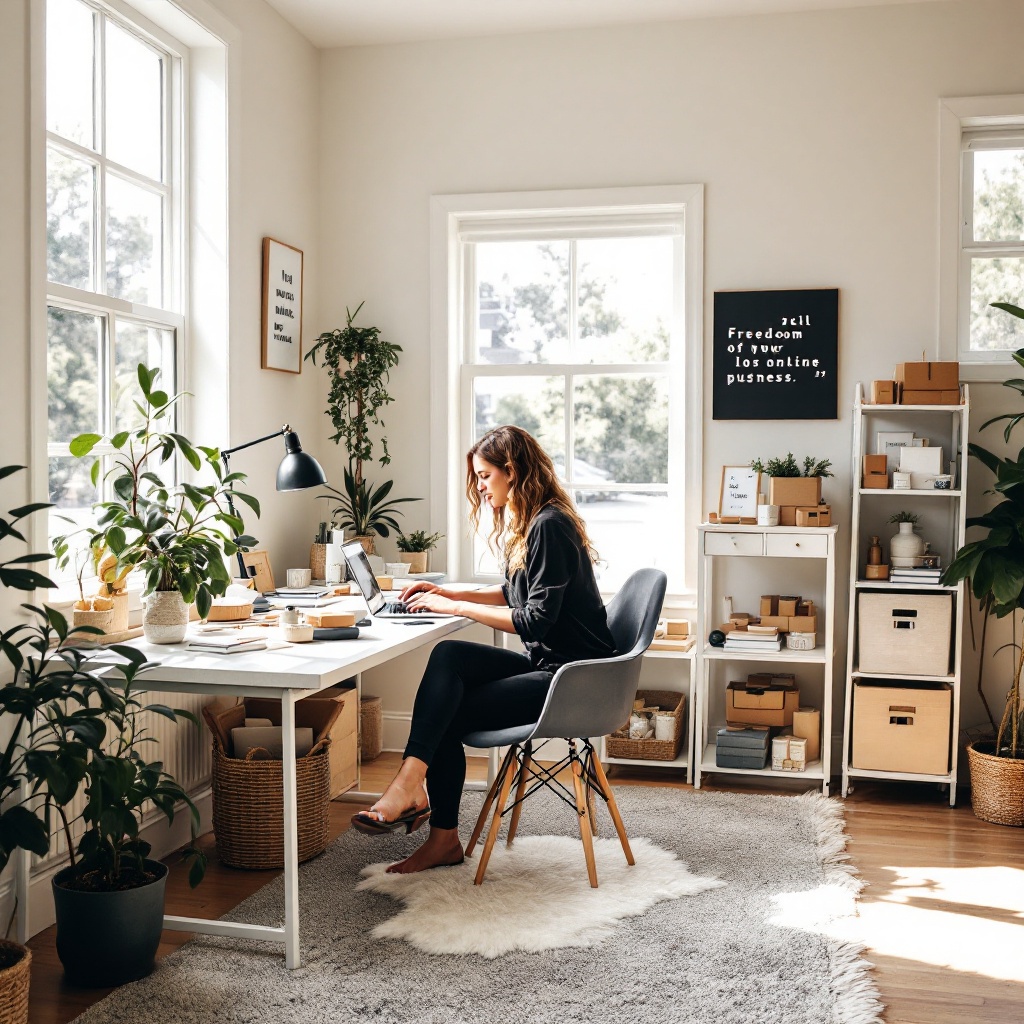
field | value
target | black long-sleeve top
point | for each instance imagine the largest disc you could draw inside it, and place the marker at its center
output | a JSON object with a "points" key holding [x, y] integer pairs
{"points": [[556, 607]]}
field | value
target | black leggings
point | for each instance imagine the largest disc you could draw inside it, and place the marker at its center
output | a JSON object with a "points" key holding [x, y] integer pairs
{"points": [[467, 687]]}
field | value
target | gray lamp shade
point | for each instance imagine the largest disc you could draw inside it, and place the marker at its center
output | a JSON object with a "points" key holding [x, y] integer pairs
{"points": [[298, 470]]}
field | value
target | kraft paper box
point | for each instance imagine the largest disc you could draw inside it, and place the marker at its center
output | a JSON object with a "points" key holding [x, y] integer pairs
{"points": [[677, 627], [794, 490], [780, 622], [908, 397], [787, 515], [773, 706], [788, 605], [897, 729], [802, 624], [928, 376], [819, 515], [769, 605], [807, 725], [883, 392], [876, 471]]}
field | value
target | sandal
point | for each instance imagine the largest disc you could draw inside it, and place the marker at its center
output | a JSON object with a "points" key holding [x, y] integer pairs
{"points": [[411, 820]]}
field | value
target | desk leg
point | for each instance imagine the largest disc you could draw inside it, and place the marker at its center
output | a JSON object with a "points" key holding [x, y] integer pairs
{"points": [[291, 834]]}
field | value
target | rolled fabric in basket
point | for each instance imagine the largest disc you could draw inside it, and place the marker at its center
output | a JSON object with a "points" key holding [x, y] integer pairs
{"points": [[269, 738]]}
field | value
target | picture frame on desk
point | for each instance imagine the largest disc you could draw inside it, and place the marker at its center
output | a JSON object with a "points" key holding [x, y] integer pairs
{"points": [[737, 495], [257, 565], [282, 307]]}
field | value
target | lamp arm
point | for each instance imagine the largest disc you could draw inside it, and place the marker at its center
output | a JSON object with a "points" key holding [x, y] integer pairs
{"points": [[249, 444]]}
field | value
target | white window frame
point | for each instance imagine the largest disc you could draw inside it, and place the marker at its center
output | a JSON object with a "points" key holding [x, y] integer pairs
{"points": [[962, 120], [457, 220], [174, 193]]}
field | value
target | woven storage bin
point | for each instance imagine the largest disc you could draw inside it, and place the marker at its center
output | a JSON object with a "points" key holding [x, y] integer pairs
{"points": [[14, 982], [248, 807], [371, 727], [654, 750], [997, 786]]}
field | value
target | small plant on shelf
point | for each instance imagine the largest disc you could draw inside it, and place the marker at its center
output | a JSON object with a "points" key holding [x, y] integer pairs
{"points": [[904, 517], [789, 467], [418, 540]]}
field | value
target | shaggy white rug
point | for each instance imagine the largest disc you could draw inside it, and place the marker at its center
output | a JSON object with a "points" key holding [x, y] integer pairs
{"points": [[535, 896]]}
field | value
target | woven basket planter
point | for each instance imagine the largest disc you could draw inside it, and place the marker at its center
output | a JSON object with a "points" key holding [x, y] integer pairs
{"points": [[997, 785], [371, 728], [248, 807], [15, 965], [654, 750]]}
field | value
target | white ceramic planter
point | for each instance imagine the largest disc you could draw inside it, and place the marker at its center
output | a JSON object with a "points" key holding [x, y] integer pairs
{"points": [[906, 546], [165, 618]]}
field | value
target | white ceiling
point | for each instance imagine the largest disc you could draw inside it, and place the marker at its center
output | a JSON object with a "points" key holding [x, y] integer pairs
{"points": [[328, 23]]}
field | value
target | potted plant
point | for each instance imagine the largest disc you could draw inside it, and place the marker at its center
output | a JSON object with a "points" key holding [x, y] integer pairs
{"points": [[358, 362], [906, 546], [994, 566], [418, 545], [791, 486], [178, 536], [59, 709]]}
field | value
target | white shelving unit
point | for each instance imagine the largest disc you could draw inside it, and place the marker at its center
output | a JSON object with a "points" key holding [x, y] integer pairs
{"points": [[684, 760], [945, 515], [762, 542]]}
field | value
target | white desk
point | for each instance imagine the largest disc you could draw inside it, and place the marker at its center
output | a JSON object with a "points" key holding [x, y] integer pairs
{"points": [[289, 673]]}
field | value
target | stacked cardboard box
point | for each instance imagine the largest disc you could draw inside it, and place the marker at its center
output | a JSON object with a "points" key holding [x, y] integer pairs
{"points": [[928, 383]]}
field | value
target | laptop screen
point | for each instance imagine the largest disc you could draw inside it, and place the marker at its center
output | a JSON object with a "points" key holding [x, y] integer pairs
{"points": [[359, 564]]}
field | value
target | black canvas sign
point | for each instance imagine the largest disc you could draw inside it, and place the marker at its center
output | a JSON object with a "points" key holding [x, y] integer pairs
{"points": [[776, 355]]}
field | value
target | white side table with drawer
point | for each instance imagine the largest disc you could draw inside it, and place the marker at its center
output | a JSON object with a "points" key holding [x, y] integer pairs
{"points": [[814, 668]]}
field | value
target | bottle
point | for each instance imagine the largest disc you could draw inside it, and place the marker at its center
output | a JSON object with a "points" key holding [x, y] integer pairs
{"points": [[875, 552]]}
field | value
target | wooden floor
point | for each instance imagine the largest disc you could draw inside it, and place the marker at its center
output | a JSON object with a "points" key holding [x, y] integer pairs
{"points": [[942, 913]]}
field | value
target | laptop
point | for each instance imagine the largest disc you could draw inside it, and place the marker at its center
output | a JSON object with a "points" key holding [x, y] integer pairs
{"points": [[380, 607]]}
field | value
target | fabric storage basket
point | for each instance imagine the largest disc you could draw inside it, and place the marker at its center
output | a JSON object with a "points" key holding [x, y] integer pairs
{"points": [[371, 727], [901, 728], [654, 750], [905, 633]]}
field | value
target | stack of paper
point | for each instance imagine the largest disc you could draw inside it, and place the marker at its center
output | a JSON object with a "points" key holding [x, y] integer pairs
{"points": [[236, 643]]}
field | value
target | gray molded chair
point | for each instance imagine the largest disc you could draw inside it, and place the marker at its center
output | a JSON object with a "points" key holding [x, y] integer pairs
{"points": [[586, 698]]}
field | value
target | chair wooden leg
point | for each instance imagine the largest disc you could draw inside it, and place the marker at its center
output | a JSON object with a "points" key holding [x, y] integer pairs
{"points": [[591, 808], [488, 800], [492, 832], [524, 774], [613, 809], [581, 807]]}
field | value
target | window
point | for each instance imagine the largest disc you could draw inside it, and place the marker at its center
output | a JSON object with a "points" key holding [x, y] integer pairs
{"points": [[576, 324], [114, 189], [983, 254]]}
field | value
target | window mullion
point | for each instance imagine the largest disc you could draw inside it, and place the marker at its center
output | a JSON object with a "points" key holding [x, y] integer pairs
{"points": [[967, 200], [100, 284], [570, 432]]}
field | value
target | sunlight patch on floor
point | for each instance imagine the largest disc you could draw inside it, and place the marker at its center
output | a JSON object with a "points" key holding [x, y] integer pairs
{"points": [[967, 919]]}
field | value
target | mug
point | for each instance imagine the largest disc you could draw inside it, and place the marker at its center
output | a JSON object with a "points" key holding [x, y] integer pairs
{"points": [[299, 577], [767, 515]]}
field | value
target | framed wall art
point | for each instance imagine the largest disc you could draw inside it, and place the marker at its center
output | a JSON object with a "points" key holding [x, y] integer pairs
{"points": [[282, 307], [737, 498]]}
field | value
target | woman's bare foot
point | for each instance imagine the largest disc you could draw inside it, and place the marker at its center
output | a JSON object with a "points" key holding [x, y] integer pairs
{"points": [[442, 847]]}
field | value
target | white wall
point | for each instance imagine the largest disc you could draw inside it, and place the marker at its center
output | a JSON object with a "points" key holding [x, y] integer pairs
{"points": [[815, 135]]}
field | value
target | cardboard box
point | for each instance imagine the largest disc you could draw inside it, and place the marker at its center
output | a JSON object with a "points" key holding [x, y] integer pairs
{"points": [[780, 622], [875, 471], [794, 490], [336, 705], [916, 397], [741, 747], [330, 620], [807, 725], [787, 515], [677, 627], [802, 624], [904, 632], [769, 605], [883, 392], [901, 729], [788, 605], [818, 515], [747, 704], [928, 376]]}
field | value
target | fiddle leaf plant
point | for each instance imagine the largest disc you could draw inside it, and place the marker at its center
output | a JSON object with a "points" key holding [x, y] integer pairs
{"points": [[994, 563], [177, 535]]}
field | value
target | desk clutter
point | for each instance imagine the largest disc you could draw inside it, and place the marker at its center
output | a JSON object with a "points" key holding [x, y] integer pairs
{"points": [[783, 617], [902, 461], [923, 383], [655, 728], [247, 778], [764, 719]]}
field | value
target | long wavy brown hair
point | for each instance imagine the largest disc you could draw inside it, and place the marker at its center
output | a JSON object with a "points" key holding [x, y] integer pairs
{"points": [[533, 485]]}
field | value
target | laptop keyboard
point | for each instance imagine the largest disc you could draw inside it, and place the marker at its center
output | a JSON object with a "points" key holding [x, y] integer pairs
{"points": [[396, 608]]}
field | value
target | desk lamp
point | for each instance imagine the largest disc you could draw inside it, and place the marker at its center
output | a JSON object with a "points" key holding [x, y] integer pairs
{"points": [[298, 472]]}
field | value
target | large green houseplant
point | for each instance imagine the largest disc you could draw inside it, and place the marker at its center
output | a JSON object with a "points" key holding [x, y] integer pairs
{"points": [[358, 363], [72, 721], [179, 536], [994, 566]]}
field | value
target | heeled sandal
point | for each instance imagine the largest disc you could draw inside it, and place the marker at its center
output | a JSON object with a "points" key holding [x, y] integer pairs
{"points": [[410, 820]]}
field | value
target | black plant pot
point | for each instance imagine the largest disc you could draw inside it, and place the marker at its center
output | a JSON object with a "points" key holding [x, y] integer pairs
{"points": [[109, 938]]}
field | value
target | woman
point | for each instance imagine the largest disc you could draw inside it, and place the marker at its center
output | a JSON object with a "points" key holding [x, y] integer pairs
{"points": [[550, 599]]}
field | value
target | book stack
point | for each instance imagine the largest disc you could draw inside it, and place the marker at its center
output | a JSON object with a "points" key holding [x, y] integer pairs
{"points": [[914, 574], [302, 597], [239, 643], [754, 639]]}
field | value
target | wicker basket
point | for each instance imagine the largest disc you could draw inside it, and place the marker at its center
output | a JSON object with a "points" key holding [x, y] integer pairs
{"points": [[371, 727], [248, 807], [653, 750], [318, 561], [997, 785], [15, 964]]}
